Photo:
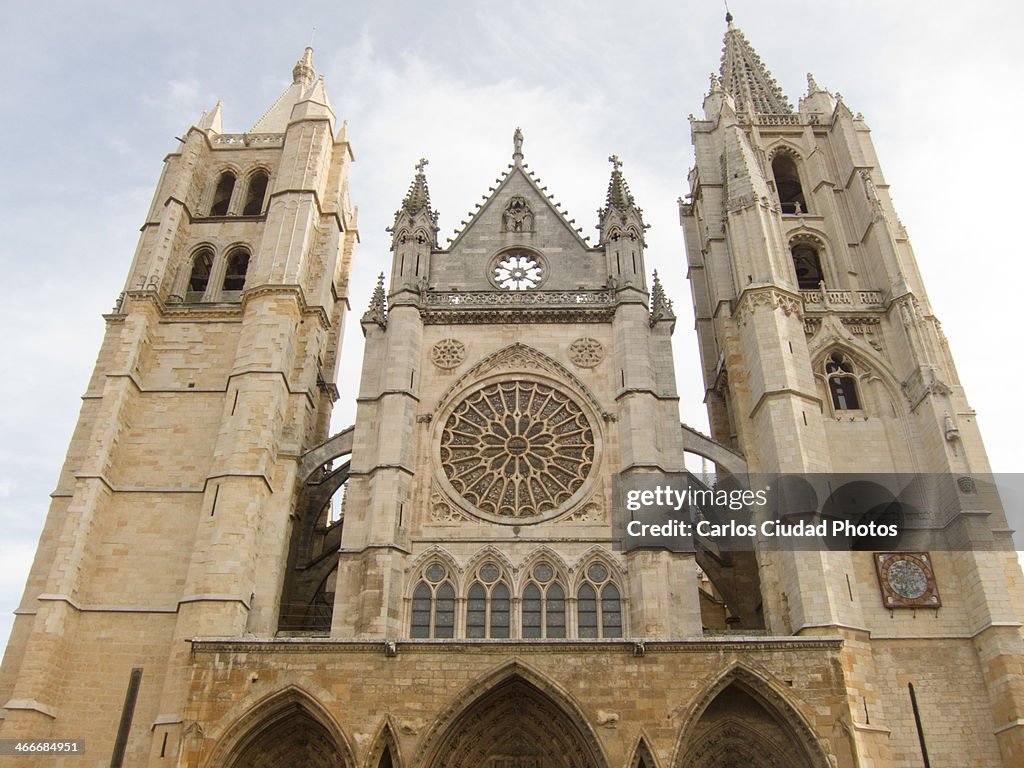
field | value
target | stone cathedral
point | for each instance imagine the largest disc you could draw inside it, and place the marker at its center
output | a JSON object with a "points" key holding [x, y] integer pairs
{"points": [[221, 582]]}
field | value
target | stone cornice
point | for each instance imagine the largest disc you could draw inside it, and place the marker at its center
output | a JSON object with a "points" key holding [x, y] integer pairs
{"points": [[325, 645]]}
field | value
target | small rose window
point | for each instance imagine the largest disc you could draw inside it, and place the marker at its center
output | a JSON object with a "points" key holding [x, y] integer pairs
{"points": [[518, 272]]}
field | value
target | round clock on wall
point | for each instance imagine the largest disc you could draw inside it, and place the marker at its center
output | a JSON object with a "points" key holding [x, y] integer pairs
{"points": [[907, 580]]}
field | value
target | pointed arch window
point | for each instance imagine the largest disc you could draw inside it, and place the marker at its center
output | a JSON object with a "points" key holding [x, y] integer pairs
{"points": [[598, 604], [234, 275], [842, 382], [255, 194], [488, 605], [433, 605], [807, 264], [787, 183], [199, 275], [222, 194], [543, 606]]}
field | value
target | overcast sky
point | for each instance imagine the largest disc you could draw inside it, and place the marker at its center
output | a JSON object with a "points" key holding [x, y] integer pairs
{"points": [[96, 93]]}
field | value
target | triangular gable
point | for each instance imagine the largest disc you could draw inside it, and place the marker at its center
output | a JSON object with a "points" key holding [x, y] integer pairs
{"points": [[536, 195]]}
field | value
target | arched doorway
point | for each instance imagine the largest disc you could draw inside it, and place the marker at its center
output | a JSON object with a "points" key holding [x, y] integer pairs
{"points": [[285, 731], [515, 725], [741, 728]]}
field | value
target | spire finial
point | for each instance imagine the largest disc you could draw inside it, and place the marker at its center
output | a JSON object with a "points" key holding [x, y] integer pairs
{"points": [[303, 71], [812, 86], [421, 164], [616, 163], [728, 14], [517, 146]]}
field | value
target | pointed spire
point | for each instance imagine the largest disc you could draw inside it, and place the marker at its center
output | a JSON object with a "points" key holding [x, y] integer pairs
{"points": [[661, 305], [303, 73], [619, 196], [418, 197], [212, 120], [746, 77], [517, 147], [377, 312]]}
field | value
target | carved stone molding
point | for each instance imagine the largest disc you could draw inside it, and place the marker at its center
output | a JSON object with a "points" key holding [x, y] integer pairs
{"points": [[448, 353], [769, 298], [586, 352]]}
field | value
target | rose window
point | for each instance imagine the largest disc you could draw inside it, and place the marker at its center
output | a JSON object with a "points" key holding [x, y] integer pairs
{"points": [[517, 449], [518, 272]]}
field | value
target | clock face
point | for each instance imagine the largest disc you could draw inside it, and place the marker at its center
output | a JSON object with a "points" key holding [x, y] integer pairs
{"points": [[907, 580]]}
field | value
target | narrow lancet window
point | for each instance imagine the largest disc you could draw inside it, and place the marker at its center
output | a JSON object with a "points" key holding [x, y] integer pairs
{"points": [[807, 264], [222, 195], [238, 266], [256, 193], [842, 383], [787, 184], [199, 277]]}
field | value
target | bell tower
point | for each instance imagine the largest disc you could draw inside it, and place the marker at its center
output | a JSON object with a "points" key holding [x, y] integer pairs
{"points": [[216, 373], [821, 354]]}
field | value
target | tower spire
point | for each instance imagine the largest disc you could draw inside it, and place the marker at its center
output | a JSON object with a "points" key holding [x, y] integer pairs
{"points": [[746, 77], [303, 72], [619, 196], [418, 197]]}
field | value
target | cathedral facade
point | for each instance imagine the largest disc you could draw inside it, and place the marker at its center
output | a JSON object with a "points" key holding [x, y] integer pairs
{"points": [[223, 582]]}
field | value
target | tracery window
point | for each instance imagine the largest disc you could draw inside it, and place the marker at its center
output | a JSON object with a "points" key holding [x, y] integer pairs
{"points": [[518, 271], [543, 607], [433, 604], [517, 449], [842, 383], [222, 195], [488, 605], [598, 604]]}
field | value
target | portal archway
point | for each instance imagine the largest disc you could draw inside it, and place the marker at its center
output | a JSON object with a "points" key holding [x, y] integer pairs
{"points": [[284, 731], [515, 724], [742, 722]]}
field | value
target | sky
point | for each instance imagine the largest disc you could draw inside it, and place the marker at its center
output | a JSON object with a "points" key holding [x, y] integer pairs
{"points": [[96, 92]]}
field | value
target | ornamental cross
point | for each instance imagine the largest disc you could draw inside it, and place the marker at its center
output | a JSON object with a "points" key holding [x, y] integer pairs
{"points": [[616, 163], [421, 165]]}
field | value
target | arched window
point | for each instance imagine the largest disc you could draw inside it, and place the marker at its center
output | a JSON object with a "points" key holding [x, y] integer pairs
{"points": [[787, 183], [433, 605], [488, 605], [222, 195], [842, 383], [255, 194], [199, 277], [598, 604], [238, 265], [807, 264], [543, 604]]}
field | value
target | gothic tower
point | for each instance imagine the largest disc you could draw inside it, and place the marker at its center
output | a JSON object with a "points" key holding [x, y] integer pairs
{"points": [[171, 514], [821, 354]]}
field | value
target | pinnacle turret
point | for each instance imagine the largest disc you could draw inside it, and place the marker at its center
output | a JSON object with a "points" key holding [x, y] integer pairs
{"points": [[620, 212], [418, 197], [618, 196], [747, 79]]}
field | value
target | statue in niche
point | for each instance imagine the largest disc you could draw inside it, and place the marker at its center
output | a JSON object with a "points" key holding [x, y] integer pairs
{"points": [[517, 216]]}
